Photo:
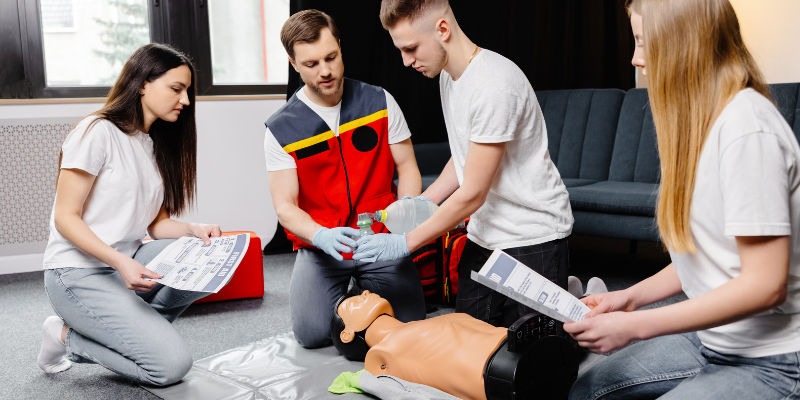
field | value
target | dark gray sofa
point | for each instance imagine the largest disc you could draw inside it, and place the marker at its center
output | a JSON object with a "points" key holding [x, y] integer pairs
{"points": [[603, 143]]}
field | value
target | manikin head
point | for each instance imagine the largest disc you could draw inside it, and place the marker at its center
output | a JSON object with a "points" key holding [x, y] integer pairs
{"points": [[422, 30], [311, 40], [352, 317]]}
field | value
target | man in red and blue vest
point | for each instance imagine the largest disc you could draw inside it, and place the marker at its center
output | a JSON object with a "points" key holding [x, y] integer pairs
{"points": [[331, 152]]}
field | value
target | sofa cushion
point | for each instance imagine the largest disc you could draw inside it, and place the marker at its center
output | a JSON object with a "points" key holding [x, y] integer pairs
{"points": [[630, 227], [629, 198], [575, 182], [635, 155], [580, 130], [432, 157]]}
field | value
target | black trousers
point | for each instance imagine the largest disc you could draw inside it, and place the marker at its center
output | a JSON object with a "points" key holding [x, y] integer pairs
{"points": [[550, 259]]}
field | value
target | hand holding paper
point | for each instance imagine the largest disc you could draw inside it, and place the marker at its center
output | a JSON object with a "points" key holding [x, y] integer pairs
{"points": [[608, 302], [605, 332], [189, 264]]}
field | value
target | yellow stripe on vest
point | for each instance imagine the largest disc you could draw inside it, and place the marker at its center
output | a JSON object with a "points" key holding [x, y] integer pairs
{"points": [[363, 121], [329, 134]]}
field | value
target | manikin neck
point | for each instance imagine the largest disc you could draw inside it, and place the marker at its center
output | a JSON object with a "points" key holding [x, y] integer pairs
{"points": [[380, 328]]}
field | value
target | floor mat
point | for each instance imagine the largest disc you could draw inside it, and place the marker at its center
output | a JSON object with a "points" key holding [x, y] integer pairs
{"points": [[271, 369]]}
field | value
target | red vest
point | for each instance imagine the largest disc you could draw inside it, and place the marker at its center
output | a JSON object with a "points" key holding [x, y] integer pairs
{"points": [[340, 177]]}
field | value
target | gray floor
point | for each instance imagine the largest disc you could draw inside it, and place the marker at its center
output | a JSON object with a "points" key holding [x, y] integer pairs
{"points": [[212, 328]]}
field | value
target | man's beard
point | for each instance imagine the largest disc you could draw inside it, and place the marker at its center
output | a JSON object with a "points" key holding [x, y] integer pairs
{"points": [[433, 73], [325, 92]]}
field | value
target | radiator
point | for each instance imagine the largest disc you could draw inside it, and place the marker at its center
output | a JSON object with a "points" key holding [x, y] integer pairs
{"points": [[29, 150]]}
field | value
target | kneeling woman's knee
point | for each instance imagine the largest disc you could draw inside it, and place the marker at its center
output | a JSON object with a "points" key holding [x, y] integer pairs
{"points": [[169, 368]]}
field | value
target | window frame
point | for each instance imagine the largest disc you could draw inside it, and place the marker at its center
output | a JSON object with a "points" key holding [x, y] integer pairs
{"points": [[168, 24]]}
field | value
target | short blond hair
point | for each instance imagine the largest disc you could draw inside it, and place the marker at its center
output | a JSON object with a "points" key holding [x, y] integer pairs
{"points": [[394, 11]]}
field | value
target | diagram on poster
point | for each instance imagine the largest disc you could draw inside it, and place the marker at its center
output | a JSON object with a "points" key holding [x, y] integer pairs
{"points": [[510, 277], [188, 264]]}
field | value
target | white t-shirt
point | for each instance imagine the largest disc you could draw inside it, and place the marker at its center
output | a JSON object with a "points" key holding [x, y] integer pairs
{"points": [[493, 102], [747, 185], [126, 196], [278, 159]]}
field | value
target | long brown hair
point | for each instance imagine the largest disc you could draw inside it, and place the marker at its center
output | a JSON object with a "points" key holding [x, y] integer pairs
{"points": [[174, 143], [696, 63]]}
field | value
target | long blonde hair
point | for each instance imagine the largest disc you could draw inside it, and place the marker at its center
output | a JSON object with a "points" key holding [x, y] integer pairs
{"points": [[696, 63]]}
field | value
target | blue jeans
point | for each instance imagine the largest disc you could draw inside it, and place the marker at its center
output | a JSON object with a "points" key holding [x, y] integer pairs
{"points": [[318, 280], [680, 367], [127, 332]]}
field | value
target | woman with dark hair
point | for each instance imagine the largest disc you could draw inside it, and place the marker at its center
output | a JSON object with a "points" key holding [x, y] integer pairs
{"points": [[728, 213], [124, 171]]}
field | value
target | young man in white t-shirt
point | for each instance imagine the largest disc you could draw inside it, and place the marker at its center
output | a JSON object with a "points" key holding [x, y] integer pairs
{"points": [[331, 152], [500, 174]]}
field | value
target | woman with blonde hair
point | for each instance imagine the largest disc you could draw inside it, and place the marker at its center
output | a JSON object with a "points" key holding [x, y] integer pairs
{"points": [[727, 212]]}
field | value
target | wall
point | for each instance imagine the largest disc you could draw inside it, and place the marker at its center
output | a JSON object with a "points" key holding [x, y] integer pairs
{"points": [[771, 32], [231, 173]]}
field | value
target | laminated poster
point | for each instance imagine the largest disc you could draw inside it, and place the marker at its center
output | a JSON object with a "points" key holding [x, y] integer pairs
{"points": [[510, 277], [188, 264]]}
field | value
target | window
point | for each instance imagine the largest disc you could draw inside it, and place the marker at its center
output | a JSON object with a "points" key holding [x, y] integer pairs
{"points": [[245, 41], [76, 48], [93, 51], [57, 16]]}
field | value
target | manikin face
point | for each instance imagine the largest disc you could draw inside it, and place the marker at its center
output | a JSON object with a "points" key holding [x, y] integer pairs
{"points": [[638, 34], [166, 96], [359, 312], [320, 64], [420, 47]]}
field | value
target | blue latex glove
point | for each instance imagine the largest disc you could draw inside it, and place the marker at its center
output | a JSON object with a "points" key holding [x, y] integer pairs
{"points": [[420, 197], [334, 240], [381, 247]]}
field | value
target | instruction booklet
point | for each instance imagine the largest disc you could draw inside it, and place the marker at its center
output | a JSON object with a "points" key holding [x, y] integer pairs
{"points": [[510, 277], [188, 264]]}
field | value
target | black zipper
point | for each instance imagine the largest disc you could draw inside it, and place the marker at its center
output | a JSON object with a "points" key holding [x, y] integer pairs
{"points": [[347, 180]]}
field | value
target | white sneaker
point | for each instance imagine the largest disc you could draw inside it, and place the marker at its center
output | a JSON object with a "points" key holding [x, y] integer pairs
{"points": [[596, 286], [575, 287]]}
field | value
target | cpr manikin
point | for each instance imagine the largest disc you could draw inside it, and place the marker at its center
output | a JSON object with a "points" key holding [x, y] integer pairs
{"points": [[455, 353]]}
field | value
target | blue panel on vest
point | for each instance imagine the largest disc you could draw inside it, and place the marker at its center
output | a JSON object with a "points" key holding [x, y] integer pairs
{"points": [[295, 121]]}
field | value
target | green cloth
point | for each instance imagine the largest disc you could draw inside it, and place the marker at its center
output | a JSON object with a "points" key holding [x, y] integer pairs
{"points": [[346, 382]]}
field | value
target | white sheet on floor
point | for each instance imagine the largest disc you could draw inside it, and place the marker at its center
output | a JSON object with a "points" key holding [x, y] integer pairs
{"points": [[273, 368]]}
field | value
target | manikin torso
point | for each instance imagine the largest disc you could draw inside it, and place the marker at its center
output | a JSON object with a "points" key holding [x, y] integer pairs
{"points": [[448, 352]]}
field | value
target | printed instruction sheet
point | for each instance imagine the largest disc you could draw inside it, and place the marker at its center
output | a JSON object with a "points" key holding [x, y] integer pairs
{"points": [[188, 264], [510, 277]]}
